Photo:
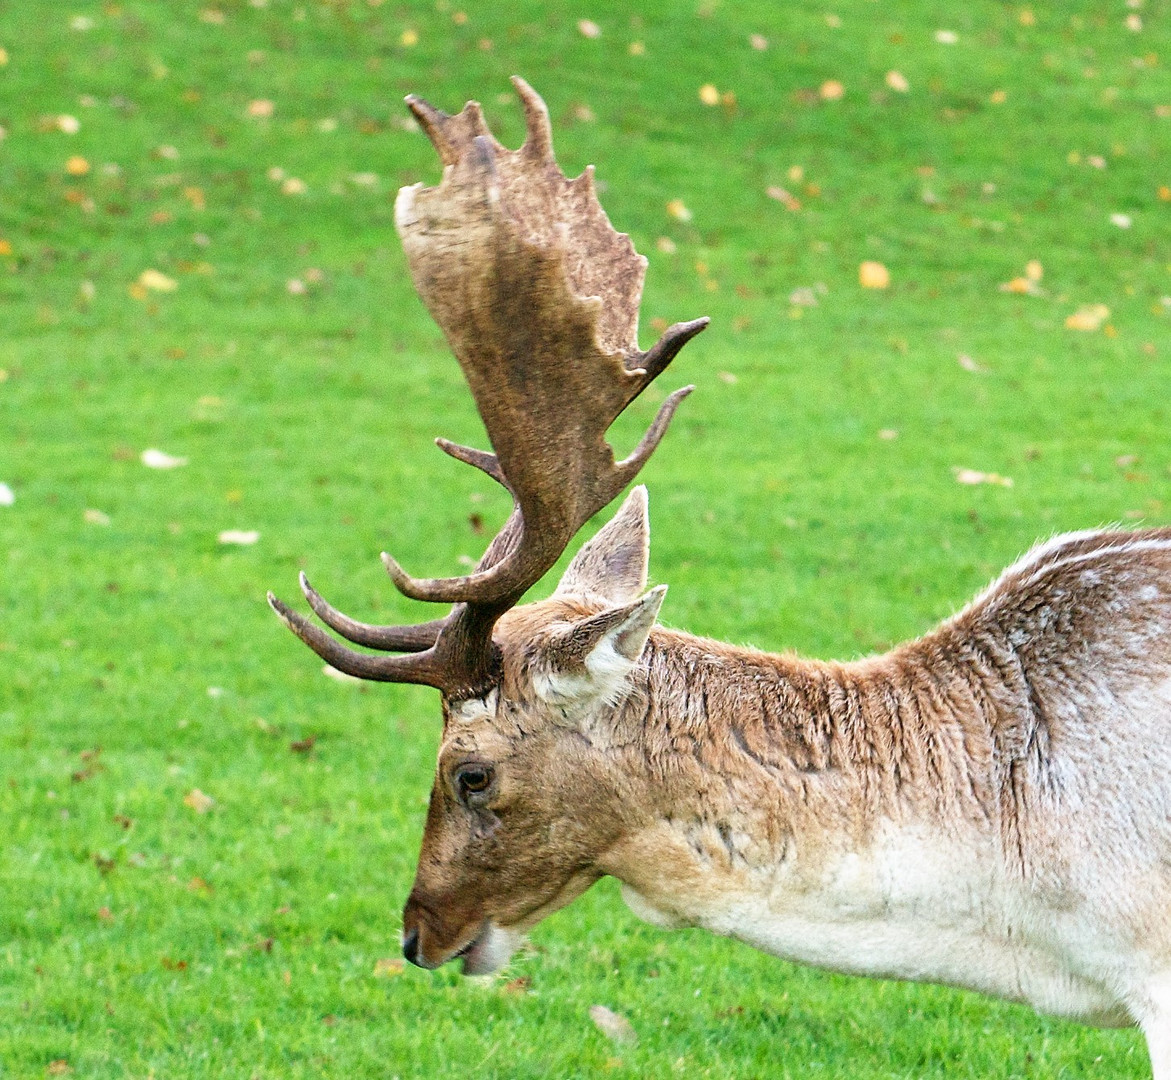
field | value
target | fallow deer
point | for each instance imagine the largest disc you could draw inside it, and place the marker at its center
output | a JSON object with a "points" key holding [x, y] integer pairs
{"points": [[987, 807]]}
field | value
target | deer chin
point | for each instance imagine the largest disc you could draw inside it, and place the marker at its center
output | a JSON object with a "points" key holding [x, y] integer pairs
{"points": [[489, 950]]}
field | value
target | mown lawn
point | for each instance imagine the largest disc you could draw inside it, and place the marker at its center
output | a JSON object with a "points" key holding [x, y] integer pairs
{"points": [[808, 497]]}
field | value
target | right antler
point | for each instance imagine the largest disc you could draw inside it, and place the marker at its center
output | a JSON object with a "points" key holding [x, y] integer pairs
{"points": [[538, 297]]}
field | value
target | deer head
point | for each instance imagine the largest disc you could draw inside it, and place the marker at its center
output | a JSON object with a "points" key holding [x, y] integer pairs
{"points": [[538, 298]]}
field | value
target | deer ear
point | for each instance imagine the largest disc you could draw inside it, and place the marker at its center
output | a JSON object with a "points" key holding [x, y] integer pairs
{"points": [[613, 565], [590, 659]]}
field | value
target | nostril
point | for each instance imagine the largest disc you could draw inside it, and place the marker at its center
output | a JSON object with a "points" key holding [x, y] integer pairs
{"points": [[411, 946]]}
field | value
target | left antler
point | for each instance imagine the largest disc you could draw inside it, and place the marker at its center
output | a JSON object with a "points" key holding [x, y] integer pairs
{"points": [[538, 297]]}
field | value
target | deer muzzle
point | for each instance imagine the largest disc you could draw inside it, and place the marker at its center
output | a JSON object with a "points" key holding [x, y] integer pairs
{"points": [[482, 946]]}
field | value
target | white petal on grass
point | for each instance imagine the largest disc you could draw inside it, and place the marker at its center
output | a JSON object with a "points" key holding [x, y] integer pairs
{"points": [[243, 537], [7, 497], [159, 459], [613, 1025], [95, 517], [1123, 221], [946, 37]]}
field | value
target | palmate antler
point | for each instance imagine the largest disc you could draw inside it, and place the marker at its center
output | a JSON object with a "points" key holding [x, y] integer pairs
{"points": [[538, 298]]}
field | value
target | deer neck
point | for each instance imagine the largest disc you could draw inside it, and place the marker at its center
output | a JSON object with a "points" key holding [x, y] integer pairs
{"points": [[842, 815]]}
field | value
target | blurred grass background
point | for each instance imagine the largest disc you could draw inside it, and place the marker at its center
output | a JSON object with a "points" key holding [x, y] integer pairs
{"points": [[197, 255]]}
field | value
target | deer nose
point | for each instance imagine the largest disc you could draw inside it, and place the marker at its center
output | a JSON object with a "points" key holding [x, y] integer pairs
{"points": [[411, 946]]}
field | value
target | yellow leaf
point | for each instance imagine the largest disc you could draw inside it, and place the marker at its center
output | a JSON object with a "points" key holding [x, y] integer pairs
{"points": [[387, 968], [5, 247], [897, 81], [77, 166], [1034, 271], [409, 38], [709, 95], [198, 801], [873, 275], [1088, 318], [261, 109], [678, 210], [157, 281], [832, 90]]}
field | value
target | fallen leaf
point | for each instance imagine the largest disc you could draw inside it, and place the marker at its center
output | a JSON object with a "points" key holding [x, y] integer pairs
{"points": [[1134, 22], [198, 801], [70, 125], [58, 1068], [5, 247], [790, 202], [242, 537], [340, 676], [1088, 318], [157, 281], [588, 28], [261, 109], [873, 275], [198, 885], [520, 985], [1123, 221], [1034, 271], [758, 41], [709, 95], [946, 37], [888, 434], [77, 166], [388, 968], [159, 459], [409, 38], [293, 186], [666, 245], [972, 477], [678, 210], [636, 48], [728, 377], [613, 1025], [897, 81], [303, 746], [998, 97], [95, 517], [3, 57], [968, 364], [831, 90], [105, 914], [1023, 285]]}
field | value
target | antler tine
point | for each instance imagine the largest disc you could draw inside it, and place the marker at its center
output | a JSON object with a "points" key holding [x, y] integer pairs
{"points": [[421, 667], [539, 140], [388, 638]]}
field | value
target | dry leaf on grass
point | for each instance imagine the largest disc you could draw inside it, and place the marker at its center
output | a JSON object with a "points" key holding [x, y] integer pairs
{"points": [[588, 28], [242, 537], [873, 275], [157, 281], [159, 459], [973, 477], [198, 801], [1088, 318], [678, 210], [340, 676], [897, 81], [387, 968], [613, 1025]]}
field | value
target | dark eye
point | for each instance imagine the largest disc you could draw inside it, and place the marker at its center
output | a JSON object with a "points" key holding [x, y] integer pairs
{"points": [[473, 780]]}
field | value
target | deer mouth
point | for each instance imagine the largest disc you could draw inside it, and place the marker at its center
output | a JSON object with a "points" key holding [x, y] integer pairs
{"points": [[488, 951]]}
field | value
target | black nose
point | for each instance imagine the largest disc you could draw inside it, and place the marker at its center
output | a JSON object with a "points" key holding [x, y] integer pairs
{"points": [[411, 946]]}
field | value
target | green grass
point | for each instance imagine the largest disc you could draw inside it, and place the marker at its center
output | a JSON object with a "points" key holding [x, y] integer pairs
{"points": [[138, 938]]}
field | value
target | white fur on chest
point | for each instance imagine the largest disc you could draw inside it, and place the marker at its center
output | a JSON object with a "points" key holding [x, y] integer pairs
{"points": [[916, 905]]}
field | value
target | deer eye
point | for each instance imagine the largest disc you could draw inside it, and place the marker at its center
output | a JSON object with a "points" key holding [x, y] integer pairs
{"points": [[472, 779]]}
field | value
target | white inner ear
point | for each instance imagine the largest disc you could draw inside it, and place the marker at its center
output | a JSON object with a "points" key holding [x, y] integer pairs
{"points": [[609, 663]]}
